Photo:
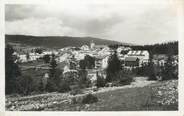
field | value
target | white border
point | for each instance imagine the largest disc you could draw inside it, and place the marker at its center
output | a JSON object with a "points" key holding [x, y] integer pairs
{"points": [[179, 7]]}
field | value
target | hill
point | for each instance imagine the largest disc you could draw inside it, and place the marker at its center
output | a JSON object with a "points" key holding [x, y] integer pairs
{"points": [[55, 41]]}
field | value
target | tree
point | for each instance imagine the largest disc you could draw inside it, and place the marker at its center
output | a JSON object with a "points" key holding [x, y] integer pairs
{"points": [[88, 62], [12, 70], [53, 78], [83, 81], [38, 50], [27, 56], [114, 66], [151, 71], [53, 66], [100, 82], [168, 70], [82, 64], [46, 58], [25, 85]]}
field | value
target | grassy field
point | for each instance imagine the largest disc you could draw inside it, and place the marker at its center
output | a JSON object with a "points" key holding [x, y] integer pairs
{"points": [[131, 99], [157, 96]]}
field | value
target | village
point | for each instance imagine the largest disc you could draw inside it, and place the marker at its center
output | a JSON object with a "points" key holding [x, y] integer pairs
{"points": [[84, 70], [68, 58]]}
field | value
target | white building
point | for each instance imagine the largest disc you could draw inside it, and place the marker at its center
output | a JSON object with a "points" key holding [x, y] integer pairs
{"points": [[119, 49], [105, 62], [142, 55], [105, 51], [34, 56], [64, 57], [22, 58], [85, 47]]}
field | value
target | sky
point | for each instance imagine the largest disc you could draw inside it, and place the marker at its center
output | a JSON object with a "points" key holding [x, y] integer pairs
{"points": [[130, 21]]}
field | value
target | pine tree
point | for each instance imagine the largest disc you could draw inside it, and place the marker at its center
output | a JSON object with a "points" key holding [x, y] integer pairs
{"points": [[168, 71], [53, 66], [114, 66], [12, 70], [52, 81]]}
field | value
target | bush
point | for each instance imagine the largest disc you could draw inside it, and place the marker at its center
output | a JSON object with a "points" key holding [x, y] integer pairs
{"points": [[64, 87], [89, 98], [124, 78], [75, 90], [76, 100], [51, 86]]}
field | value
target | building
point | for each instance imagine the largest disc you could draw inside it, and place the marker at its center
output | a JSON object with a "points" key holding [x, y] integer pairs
{"points": [[85, 47], [132, 61], [136, 58], [92, 45], [101, 62], [22, 58], [92, 75]]}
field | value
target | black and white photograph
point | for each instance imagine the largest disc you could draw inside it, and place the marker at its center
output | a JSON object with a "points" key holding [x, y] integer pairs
{"points": [[92, 56]]}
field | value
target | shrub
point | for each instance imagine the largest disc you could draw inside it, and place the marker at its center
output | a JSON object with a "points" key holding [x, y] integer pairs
{"points": [[64, 87], [89, 98], [76, 100], [51, 86], [95, 89], [75, 90], [124, 78]]}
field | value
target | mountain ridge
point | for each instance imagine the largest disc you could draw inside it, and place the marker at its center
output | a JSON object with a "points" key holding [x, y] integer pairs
{"points": [[57, 41]]}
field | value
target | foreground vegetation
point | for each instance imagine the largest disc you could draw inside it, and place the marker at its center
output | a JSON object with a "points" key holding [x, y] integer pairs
{"points": [[156, 96]]}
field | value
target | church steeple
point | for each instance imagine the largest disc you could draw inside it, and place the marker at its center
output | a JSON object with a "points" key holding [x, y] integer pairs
{"points": [[92, 45]]}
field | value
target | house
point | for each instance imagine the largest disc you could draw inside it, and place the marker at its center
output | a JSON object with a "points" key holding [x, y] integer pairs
{"points": [[105, 62], [123, 50], [34, 56], [92, 75], [142, 55], [132, 61], [160, 59], [22, 58], [47, 52], [105, 51], [119, 49], [64, 56], [84, 47]]}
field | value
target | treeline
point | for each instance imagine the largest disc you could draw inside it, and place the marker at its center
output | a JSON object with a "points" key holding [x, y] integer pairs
{"points": [[163, 48]]}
